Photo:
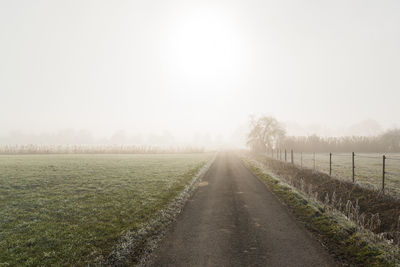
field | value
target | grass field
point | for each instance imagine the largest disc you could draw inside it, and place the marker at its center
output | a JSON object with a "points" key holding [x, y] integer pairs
{"points": [[72, 209], [368, 168]]}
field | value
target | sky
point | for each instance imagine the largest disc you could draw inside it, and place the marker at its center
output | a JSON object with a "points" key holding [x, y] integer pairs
{"points": [[196, 68]]}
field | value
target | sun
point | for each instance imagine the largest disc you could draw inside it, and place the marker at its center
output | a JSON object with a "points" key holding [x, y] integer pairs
{"points": [[203, 45]]}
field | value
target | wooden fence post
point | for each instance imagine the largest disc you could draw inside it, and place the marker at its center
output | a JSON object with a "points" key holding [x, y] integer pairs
{"points": [[383, 172], [352, 159], [330, 164]]}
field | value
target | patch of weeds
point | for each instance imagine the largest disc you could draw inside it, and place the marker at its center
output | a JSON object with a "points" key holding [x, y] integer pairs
{"points": [[349, 243], [367, 207]]}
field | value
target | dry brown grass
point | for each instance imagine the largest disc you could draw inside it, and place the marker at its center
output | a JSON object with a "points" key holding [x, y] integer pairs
{"points": [[369, 208]]}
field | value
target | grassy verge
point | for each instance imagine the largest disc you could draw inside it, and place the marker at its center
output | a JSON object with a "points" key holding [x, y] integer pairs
{"points": [[74, 209], [366, 206], [351, 244]]}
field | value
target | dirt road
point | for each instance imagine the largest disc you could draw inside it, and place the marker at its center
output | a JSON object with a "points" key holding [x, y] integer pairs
{"points": [[234, 220]]}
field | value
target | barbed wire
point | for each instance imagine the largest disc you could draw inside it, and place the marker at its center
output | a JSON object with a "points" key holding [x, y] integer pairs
{"points": [[392, 156], [368, 157], [341, 155], [367, 172], [398, 159]]}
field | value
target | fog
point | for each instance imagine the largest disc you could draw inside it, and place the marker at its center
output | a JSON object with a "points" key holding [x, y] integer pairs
{"points": [[180, 72]]}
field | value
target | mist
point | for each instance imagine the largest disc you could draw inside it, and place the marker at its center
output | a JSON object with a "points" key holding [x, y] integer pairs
{"points": [[191, 72]]}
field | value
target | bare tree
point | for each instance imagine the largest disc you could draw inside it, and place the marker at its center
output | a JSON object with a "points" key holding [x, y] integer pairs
{"points": [[265, 133]]}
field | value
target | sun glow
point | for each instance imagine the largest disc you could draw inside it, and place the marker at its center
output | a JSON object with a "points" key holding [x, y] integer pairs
{"points": [[204, 46]]}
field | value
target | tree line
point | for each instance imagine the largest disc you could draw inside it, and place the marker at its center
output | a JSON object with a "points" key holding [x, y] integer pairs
{"points": [[96, 149], [266, 133]]}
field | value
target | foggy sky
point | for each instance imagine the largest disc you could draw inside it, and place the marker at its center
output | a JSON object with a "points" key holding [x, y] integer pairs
{"points": [[196, 67]]}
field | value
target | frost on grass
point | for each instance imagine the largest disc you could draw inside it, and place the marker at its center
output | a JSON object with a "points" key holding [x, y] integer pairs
{"points": [[137, 246], [357, 233], [73, 209]]}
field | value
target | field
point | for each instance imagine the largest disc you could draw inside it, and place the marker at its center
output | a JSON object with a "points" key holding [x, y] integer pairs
{"points": [[73, 209], [368, 168]]}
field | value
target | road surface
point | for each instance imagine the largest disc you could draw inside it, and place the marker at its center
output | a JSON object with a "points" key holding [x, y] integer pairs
{"points": [[234, 220]]}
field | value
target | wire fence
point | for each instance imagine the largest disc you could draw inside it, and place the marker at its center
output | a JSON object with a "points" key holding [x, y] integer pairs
{"points": [[377, 171]]}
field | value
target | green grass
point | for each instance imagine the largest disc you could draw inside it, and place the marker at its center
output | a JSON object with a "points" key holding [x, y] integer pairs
{"points": [[72, 209]]}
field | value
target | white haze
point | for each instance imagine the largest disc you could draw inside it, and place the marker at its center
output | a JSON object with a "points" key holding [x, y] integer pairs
{"points": [[195, 70]]}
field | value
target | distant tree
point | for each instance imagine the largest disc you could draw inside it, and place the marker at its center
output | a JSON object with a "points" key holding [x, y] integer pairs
{"points": [[391, 140], [386, 142], [265, 133]]}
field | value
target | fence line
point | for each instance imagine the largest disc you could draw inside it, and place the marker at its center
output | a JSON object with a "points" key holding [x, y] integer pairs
{"points": [[371, 170]]}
